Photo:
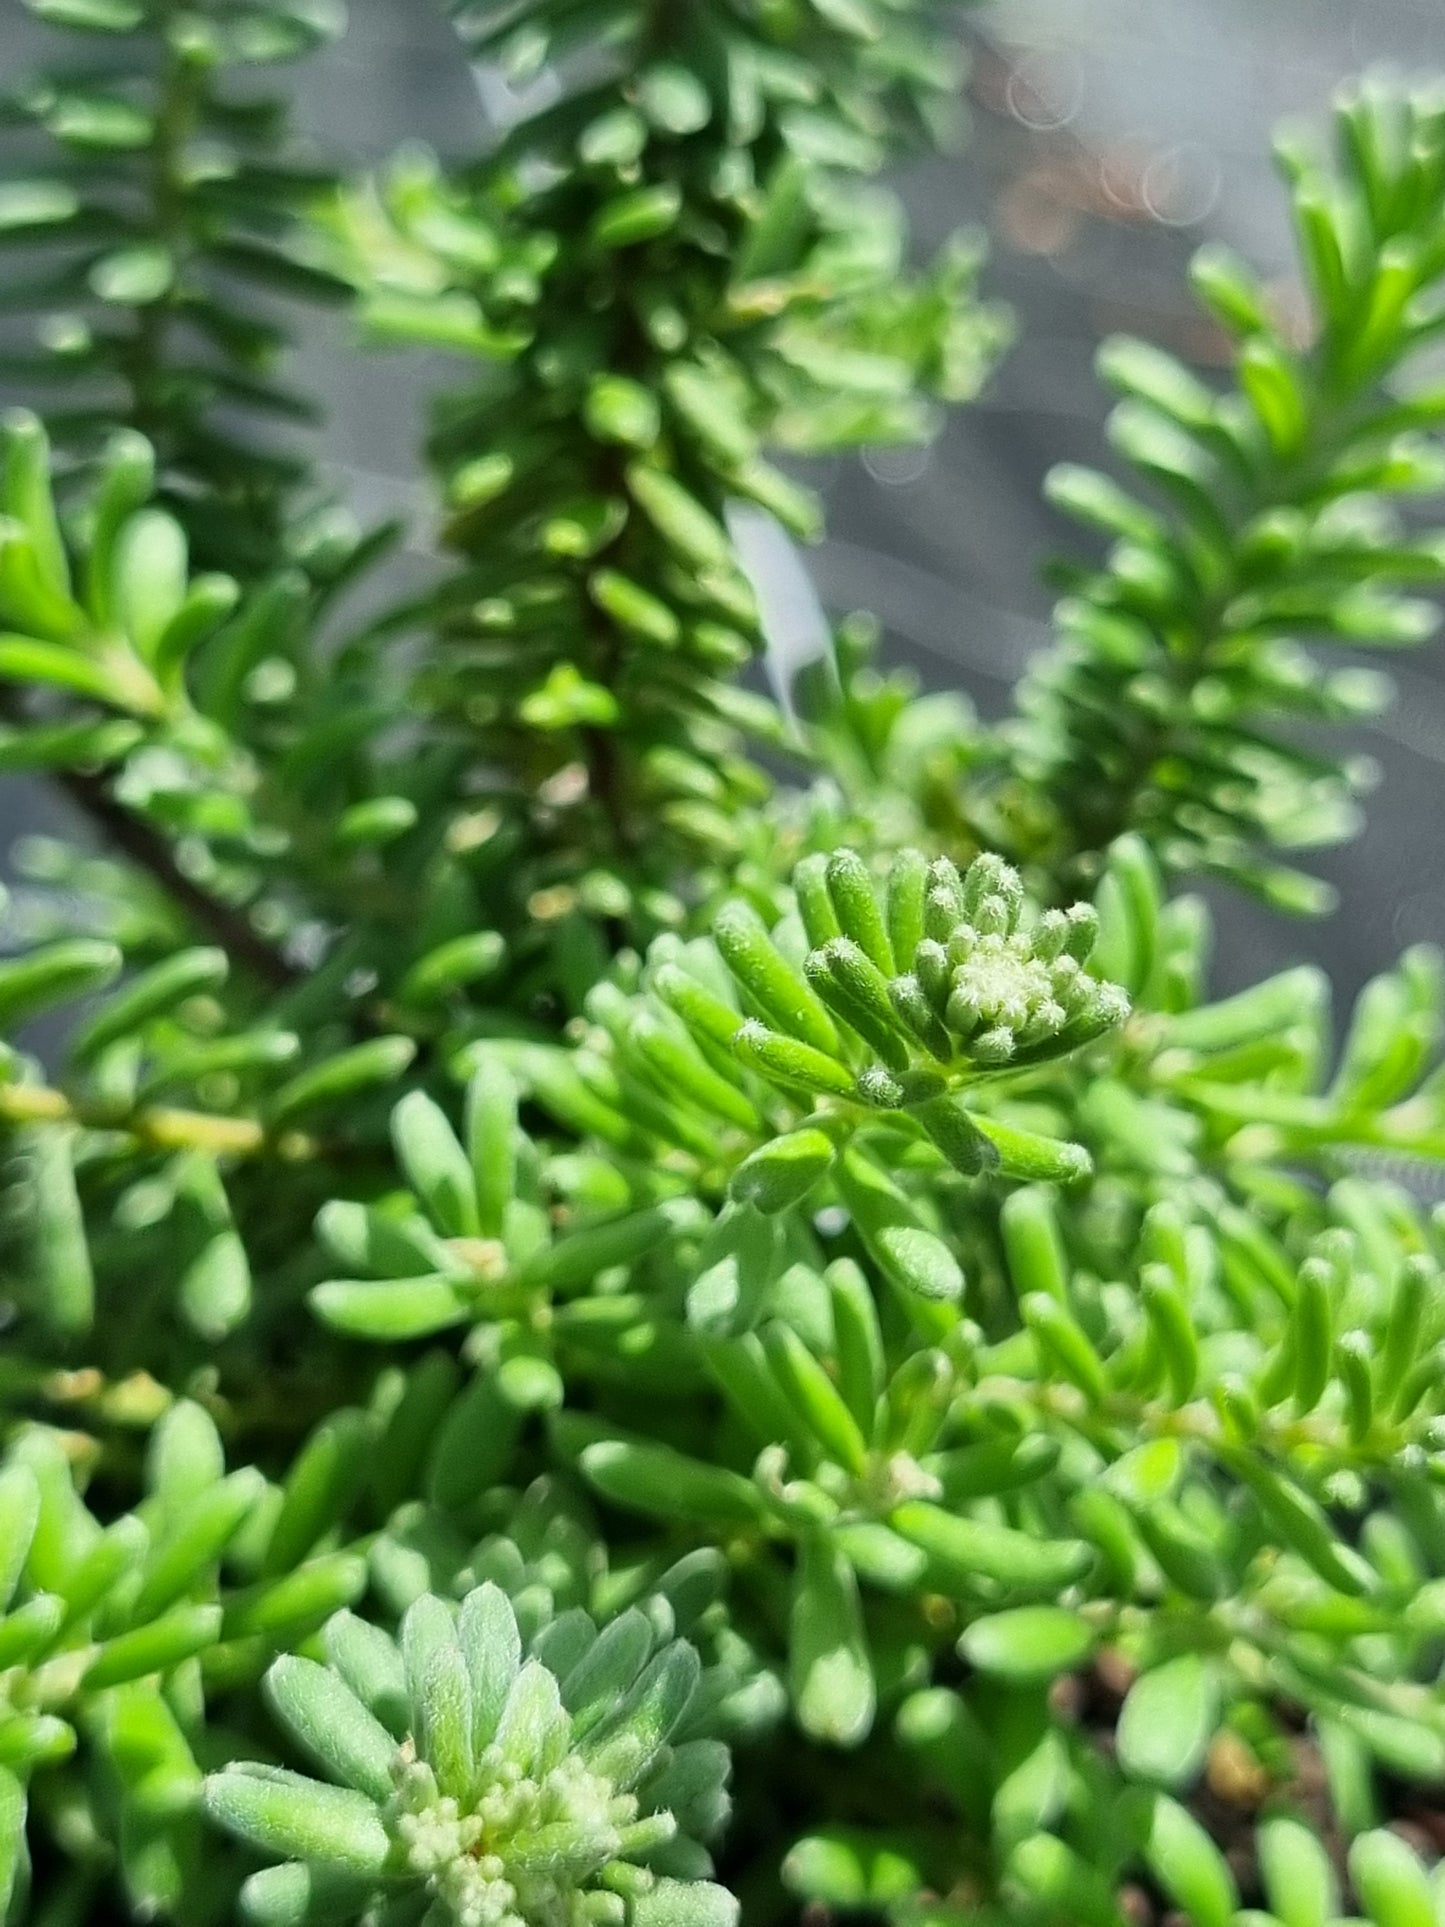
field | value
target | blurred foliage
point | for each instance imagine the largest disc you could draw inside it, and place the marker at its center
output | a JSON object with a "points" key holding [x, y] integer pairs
{"points": [[589, 1248]]}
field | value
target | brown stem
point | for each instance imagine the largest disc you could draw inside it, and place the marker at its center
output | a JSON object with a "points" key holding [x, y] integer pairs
{"points": [[135, 838], [606, 785]]}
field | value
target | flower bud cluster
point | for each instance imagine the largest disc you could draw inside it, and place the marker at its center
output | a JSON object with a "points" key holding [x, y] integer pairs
{"points": [[497, 1787], [907, 989], [1005, 992]]}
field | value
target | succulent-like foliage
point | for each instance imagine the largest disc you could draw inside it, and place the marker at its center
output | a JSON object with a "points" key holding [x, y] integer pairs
{"points": [[177, 706], [710, 1290], [665, 274], [161, 216], [475, 1783], [108, 1624], [764, 1093], [909, 996], [1256, 520]]}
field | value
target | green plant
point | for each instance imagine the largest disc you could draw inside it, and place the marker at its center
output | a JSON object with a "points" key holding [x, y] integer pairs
{"points": [[678, 268], [718, 1287], [164, 200], [1268, 524]]}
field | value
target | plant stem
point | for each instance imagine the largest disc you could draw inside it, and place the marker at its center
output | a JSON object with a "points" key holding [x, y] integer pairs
{"points": [[160, 1127], [175, 115], [146, 847]]}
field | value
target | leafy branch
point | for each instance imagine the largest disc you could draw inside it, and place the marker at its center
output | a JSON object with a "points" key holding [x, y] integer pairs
{"points": [[1258, 519]]}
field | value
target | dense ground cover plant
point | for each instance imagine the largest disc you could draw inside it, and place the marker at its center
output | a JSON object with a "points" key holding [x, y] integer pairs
{"points": [[624, 1303]]}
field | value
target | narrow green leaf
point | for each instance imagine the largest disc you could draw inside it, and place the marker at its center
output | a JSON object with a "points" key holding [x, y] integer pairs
{"points": [[1029, 1643], [1168, 1719], [328, 1722], [781, 1173], [1188, 1865], [669, 1485], [832, 1674], [966, 1551], [294, 1818], [397, 1309], [1390, 1881]]}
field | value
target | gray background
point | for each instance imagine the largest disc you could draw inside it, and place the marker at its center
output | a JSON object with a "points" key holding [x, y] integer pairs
{"points": [[1107, 139]]}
